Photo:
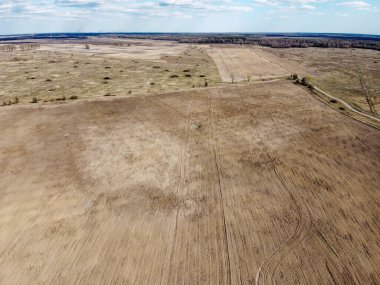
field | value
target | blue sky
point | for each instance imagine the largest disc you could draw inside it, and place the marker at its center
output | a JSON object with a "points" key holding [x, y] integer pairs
{"points": [[341, 16]]}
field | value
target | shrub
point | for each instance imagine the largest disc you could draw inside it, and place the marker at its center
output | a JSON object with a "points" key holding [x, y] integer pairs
{"points": [[73, 97], [293, 76], [16, 101], [34, 100], [206, 84], [306, 81]]}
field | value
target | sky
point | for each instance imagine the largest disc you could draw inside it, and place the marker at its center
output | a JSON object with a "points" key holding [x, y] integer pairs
{"points": [[327, 16]]}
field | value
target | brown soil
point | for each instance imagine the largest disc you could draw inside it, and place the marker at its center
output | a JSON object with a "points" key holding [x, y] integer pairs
{"points": [[270, 186]]}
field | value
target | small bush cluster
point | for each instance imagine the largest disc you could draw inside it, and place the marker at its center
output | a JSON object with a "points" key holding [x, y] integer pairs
{"points": [[305, 81], [9, 102]]}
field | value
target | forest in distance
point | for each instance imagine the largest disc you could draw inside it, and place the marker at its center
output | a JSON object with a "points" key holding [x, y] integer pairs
{"points": [[273, 40]]}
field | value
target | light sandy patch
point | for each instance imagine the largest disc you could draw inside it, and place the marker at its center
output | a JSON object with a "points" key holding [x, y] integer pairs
{"points": [[127, 50]]}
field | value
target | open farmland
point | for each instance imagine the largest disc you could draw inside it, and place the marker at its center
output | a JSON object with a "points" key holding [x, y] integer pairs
{"points": [[335, 71], [249, 184], [243, 64], [58, 71]]}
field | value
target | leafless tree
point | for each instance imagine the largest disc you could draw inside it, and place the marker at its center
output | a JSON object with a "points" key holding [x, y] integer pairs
{"points": [[7, 48]]}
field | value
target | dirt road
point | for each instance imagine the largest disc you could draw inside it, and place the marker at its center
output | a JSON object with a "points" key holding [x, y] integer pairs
{"points": [[238, 185]]}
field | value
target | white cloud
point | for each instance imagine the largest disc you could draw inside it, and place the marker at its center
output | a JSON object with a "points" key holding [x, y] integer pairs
{"points": [[308, 7], [361, 5]]}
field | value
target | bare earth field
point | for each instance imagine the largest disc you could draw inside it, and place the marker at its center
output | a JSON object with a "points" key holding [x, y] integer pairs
{"points": [[254, 184]]}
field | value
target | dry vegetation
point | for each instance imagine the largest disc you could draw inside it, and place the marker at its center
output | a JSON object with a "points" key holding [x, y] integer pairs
{"points": [[336, 72], [242, 64], [249, 183], [57, 72]]}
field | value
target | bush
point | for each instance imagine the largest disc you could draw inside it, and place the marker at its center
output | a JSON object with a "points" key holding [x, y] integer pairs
{"points": [[293, 76], [74, 97], [16, 101], [34, 100], [306, 81]]}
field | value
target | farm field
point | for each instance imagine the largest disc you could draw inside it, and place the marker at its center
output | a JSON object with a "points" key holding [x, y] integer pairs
{"points": [[240, 184], [60, 71], [335, 71], [243, 64]]}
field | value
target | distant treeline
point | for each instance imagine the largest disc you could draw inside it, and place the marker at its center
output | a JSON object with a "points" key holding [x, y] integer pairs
{"points": [[278, 40], [286, 42]]}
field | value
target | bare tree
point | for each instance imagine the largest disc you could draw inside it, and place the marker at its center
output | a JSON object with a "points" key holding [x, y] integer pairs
{"points": [[232, 77], [25, 47], [7, 48]]}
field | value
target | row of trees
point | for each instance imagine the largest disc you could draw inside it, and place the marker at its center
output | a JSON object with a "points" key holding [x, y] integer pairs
{"points": [[23, 47], [29, 47], [6, 48]]}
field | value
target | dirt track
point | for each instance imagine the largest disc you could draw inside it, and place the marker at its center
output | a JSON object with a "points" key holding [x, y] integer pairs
{"points": [[238, 185]]}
